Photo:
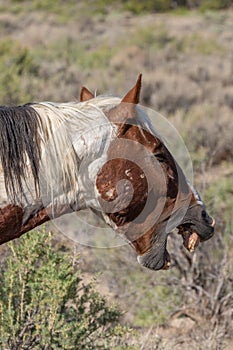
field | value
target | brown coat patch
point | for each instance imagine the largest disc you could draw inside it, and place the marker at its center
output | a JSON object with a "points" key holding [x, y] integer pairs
{"points": [[128, 201], [10, 222], [11, 218]]}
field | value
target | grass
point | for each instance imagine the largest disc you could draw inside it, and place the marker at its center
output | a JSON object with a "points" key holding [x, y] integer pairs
{"points": [[153, 300], [65, 10], [219, 197], [76, 53], [180, 11], [139, 7], [200, 44], [153, 37], [161, 300], [16, 67], [214, 5]]}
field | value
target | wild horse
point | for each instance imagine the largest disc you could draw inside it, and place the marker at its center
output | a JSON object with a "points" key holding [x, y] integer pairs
{"points": [[100, 153]]}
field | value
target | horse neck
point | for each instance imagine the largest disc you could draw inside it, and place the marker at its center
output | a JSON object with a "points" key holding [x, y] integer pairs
{"points": [[71, 141], [80, 135]]}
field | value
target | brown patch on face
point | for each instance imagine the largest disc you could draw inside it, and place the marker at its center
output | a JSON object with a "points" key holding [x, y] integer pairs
{"points": [[144, 242], [160, 152], [162, 168], [130, 199]]}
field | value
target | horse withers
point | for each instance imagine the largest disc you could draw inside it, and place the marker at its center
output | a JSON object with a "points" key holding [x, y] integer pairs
{"points": [[100, 153]]}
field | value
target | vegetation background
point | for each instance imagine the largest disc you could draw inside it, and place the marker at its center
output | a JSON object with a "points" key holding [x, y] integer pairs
{"points": [[48, 50]]}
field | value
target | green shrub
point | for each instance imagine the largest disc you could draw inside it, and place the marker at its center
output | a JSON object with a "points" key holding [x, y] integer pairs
{"points": [[78, 54], [70, 8], [200, 45], [215, 4], [219, 197], [152, 37], [16, 68], [147, 6], [44, 303]]}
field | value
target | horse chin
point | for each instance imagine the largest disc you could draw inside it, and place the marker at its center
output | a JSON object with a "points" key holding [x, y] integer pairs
{"points": [[156, 258]]}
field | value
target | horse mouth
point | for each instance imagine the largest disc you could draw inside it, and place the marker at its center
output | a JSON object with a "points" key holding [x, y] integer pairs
{"points": [[190, 237], [191, 240], [158, 257]]}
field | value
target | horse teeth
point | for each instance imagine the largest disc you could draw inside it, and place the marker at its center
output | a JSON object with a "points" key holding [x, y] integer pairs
{"points": [[167, 265], [191, 246], [192, 249]]}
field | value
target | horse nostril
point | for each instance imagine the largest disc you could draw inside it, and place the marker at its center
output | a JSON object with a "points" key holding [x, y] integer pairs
{"points": [[204, 214], [207, 218]]}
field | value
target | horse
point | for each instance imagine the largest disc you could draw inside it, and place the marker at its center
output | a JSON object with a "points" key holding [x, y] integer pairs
{"points": [[100, 153]]}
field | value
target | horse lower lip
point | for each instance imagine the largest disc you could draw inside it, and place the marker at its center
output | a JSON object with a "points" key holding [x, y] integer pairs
{"points": [[167, 263]]}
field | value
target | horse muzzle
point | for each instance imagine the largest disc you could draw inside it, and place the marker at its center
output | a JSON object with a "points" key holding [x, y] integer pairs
{"points": [[204, 230]]}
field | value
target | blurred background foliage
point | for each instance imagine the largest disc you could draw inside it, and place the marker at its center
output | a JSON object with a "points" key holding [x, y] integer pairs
{"points": [[135, 6]]}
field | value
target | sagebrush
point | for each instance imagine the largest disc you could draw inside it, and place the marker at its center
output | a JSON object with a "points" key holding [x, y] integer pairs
{"points": [[45, 305]]}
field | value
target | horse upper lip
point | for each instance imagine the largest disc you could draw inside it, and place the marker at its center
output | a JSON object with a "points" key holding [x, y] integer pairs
{"points": [[213, 222]]}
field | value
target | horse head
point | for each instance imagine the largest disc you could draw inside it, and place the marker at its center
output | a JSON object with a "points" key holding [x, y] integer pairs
{"points": [[142, 191]]}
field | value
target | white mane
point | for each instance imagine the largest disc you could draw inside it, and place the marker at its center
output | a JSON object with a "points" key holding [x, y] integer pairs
{"points": [[72, 134]]}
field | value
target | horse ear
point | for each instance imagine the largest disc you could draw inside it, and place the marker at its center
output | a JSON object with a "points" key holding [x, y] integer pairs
{"points": [[133, 95], [85, 94], [126, 109]]}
